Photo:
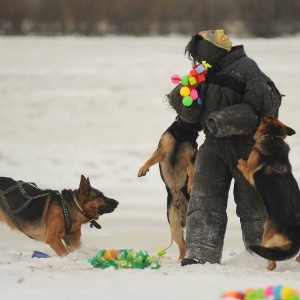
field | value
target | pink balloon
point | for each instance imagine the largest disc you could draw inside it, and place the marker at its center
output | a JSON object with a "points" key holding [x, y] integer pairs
{"points": [[269, 291], [176, 78], [194, 94]]}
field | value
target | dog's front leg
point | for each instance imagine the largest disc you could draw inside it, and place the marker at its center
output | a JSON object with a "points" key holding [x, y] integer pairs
{"points": [[73, 240], [243, 167], [190, 172], [249, 167], [55, 229], [155, 158], [57, 245]]}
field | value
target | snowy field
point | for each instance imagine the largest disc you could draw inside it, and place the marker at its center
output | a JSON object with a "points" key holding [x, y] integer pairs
{"points": [[96, 106]]}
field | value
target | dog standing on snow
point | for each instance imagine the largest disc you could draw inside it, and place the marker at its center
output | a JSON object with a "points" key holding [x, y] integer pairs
{"points": [[176, 154], [268, 169]]}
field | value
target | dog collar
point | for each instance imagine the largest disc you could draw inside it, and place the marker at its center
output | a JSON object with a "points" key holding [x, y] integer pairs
{"points": [[91, 220]]}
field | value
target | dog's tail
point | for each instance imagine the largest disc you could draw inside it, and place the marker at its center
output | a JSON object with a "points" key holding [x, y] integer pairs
{"points": [[277, 253]]}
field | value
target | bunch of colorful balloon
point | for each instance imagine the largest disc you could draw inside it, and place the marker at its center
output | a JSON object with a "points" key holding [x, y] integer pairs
{"points": [[123, 259], [190, 81], [277, 292]]}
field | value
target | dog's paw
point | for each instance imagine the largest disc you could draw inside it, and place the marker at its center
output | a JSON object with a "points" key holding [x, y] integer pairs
{"points": [[241, 161], [189, 185], [242, 164], [143, 171]]}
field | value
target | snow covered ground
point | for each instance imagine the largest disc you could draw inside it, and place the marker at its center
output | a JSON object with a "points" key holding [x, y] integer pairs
{"points": [[95, 106]]}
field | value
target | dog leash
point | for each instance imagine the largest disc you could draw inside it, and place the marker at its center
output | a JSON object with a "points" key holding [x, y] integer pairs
{"points": [[91, 220]]}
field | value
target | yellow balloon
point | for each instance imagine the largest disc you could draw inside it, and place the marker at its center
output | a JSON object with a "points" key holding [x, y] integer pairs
{"points": [[184, 91], [285, 292]]}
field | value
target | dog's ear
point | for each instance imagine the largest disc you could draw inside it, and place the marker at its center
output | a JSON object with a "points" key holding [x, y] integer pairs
{"points": [[88, 182], [85, 186], [289, 131]]}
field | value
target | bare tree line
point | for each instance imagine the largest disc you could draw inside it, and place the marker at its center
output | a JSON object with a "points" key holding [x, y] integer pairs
{"points": [[264, 18]]}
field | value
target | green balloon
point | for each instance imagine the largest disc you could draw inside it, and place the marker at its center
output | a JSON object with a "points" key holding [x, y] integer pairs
{"points": [[187, 101], [185, 80]]}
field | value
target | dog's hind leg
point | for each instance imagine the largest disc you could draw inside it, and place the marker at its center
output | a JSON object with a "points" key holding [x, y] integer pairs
{"points": [[267, 236], [190, 171], [73, 240], [271, 265], [298, 258], [176, 229]]}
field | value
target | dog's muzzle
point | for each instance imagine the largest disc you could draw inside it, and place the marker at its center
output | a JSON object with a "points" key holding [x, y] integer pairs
{"points": [[109, 206]]}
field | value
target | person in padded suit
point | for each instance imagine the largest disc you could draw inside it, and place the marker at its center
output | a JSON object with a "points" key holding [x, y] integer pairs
{"points": [[234, 93]]}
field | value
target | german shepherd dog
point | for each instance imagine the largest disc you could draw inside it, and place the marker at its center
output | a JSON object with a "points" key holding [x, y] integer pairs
{"points": [[268, 169], [49, 216], [176, 155]]}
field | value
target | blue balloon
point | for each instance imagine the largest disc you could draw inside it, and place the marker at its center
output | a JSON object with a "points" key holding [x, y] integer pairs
{"points": [[276, 292]]}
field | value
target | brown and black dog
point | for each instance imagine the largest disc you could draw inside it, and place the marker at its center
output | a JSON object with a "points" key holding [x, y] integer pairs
{"points": [[49, 216], [176, 155], [268, 169]]}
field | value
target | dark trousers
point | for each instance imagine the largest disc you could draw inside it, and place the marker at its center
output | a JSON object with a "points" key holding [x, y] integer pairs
{"points": [[215, 167]]}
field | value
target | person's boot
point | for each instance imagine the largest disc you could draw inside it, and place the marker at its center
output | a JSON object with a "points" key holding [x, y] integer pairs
{"points": [[192, 261]]}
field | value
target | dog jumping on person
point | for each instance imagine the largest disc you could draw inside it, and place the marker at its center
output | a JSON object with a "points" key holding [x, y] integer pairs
{"points": [[52, 217], [269, 170], [176, 153]]}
